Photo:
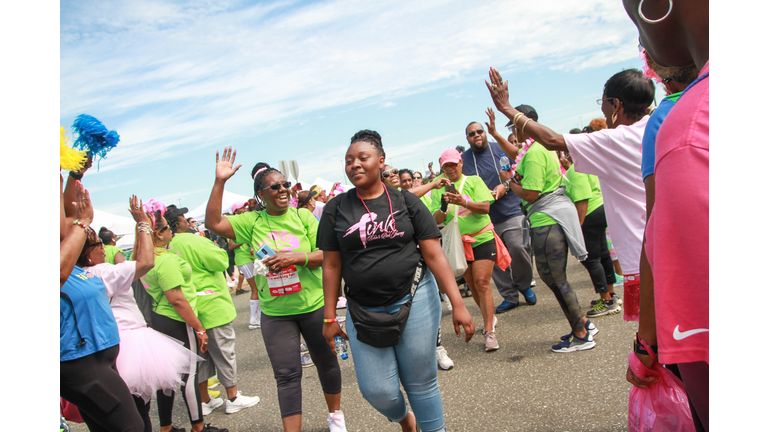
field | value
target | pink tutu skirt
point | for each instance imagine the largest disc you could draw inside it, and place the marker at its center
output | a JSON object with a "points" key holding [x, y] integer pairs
{"points": [[149, 361]]}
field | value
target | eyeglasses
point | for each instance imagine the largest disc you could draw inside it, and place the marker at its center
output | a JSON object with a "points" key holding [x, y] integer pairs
{"points": [[389, 172], [477, 132], [416, 178], [276, 186], [512, 128], [601, 100]]}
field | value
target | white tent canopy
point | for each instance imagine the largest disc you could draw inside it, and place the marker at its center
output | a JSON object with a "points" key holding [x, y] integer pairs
{"points": [[120, 225]]}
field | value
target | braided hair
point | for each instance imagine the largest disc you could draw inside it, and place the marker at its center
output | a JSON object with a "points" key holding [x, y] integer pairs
{"points": [[370, 136]]}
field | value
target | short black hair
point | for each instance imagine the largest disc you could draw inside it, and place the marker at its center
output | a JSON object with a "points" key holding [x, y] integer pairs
{"points": [[633, 90], [370, 136], [405, 171], [470, 124], [106, 235]]}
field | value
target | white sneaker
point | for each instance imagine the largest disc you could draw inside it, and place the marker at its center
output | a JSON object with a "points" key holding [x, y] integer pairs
{"points": [[241, 402], [341, 303], [231, 284], [212, 405], [443, 361], [336, 422], [495, 320], [255, 324], [446, 301], [533, 282]]}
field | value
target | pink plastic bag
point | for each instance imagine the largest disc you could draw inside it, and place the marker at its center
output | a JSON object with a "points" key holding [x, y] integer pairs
{"points": [[663, 406]]}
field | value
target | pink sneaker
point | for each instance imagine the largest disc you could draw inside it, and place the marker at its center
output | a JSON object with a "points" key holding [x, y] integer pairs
{"points": [[491, 344]]}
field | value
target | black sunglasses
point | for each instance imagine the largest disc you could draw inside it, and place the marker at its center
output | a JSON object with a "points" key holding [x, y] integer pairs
{"points": [[416, 178], [478, 132], [390, 172], [276, 186]]}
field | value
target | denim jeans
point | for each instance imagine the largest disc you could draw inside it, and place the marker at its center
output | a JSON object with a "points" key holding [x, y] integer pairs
{"points": [[412, 362]]}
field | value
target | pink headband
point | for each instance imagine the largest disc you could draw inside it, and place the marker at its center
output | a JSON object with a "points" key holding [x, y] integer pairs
{"points": [[151, 207], [258, 171]]}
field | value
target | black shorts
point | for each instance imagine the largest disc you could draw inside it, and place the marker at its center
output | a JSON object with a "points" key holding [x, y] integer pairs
{"points": [[486, 251]]}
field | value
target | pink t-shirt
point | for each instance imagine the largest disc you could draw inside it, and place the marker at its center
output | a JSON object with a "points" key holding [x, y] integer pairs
{"points": [[117, 278], [677, 238], [614, 156]]}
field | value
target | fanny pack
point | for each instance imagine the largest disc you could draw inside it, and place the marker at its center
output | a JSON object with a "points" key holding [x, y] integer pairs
{"points": [[381, 330]]}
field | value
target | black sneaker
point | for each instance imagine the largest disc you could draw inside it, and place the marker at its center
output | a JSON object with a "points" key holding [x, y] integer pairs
{"points": [[603, 307], [176, 429], [615, 297], [209, 428]]}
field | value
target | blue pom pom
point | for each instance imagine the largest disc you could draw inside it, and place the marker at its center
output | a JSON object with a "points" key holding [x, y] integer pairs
{"points": [[93, 136]]}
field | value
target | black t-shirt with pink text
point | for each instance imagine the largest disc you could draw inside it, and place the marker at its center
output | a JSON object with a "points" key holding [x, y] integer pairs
{"points": [[379, 252]]}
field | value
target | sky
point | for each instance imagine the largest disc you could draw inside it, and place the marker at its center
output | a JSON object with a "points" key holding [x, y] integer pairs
{"points": [[290, 80]]}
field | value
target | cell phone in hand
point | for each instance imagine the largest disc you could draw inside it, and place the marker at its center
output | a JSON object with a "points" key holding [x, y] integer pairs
{"points": [[451, 188], [264, 251]]}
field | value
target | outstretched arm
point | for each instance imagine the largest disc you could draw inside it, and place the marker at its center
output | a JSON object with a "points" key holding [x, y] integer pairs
{"points": [[224, 171], [542, 134]]}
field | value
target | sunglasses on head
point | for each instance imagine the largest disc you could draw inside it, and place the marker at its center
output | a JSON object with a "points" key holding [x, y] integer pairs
{"points": [[276, 186], [477, 132], [390, 172]]}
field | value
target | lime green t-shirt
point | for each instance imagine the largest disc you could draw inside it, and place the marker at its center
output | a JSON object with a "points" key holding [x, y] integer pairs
{"points": [[170, 271], [292, 232], [208, 262], [243, 255], [474, 190], [427, 199], [540, 169], [111, 251], [582, 186]]}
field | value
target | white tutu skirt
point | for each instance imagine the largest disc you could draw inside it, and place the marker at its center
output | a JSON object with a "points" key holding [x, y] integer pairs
{"points": [[149, 361]]}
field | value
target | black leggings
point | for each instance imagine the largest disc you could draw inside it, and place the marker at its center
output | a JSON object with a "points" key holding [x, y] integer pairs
{"points": [[551, 250], [190, 391], [598, 263], [93, 384], [281, 338], [143, 412]]}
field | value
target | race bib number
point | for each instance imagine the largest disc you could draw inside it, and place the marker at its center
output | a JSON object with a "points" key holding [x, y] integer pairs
{"points": [[283, 283]]}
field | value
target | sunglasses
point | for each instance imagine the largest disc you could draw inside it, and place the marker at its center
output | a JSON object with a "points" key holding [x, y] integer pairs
{"points": [[162, 229], [390, 172], [416, 178], [477, 132], [600, 101], [276, 186]]}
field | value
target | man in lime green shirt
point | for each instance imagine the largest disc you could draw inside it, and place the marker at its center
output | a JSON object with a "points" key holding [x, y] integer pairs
{"points": [[214, 309]]}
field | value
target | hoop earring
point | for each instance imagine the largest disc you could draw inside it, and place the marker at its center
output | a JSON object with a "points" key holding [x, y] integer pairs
{"points": [[614, 117], [642, 16]]}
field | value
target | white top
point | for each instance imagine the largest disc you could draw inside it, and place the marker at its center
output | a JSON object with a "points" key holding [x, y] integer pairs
{"points": [[614, 156], [318, 211], [117, 278]]}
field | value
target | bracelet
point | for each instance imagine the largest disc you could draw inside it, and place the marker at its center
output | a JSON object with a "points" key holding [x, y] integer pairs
{"points": [[517, 116], [306, 259], [200, 333], [325, 320], [442, 211], [87, 229], [76, 176], [523, 128], [144, 227]]}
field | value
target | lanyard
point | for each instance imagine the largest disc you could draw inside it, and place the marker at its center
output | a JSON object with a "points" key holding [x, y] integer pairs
{"points": [[394, 223], [493, 158]]}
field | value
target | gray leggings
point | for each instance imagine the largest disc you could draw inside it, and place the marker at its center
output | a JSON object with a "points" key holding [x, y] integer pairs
{"points": [[281, 338], [551, 251]]}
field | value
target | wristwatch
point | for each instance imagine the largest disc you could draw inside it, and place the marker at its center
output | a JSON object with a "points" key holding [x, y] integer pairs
{"points": [[506, 185], [640, 349]]}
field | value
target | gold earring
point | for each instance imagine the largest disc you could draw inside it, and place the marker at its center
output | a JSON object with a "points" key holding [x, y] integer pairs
{"points": [[614, 117]]}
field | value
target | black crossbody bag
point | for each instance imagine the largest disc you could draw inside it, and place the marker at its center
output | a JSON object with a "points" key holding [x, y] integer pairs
{"points": [[382, 330]]}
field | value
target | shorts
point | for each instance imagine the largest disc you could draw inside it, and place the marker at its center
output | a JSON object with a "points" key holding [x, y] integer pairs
{"points": [[486, 251], [220, 356], [246, 270]]}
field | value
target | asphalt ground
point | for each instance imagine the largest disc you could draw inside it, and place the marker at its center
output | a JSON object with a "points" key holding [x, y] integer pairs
{"points": [[523, 386]]}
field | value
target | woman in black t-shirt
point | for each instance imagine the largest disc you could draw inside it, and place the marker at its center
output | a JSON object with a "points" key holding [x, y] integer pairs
{"points": [[374, 236]]}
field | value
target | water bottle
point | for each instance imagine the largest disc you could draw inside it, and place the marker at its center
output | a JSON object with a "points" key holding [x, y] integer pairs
{"points": [[504, 161], [341, 347]]}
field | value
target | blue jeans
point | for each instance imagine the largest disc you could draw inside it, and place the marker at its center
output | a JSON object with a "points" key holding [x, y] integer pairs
{"points": [[412, 362]]}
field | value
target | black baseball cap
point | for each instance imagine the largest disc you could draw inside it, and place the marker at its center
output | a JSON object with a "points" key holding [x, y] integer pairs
{"points": [[527, 111], [172, 212]]}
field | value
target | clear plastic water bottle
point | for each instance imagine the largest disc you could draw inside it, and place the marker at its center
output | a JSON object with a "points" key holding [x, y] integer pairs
{"points": [[504, 161], [341, 347]]}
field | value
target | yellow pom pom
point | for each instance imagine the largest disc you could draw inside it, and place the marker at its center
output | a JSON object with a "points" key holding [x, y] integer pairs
{"points": [[69, 158]]}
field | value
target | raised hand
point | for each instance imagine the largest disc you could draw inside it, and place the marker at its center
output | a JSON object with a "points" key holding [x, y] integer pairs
{"points": [[224, 167], [82, 204], [491, 123], [136, 208], [499, 90]]}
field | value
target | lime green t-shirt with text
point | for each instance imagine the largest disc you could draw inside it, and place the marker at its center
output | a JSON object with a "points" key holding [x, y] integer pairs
{"points": [[208, 262], [474, 190], [170, 271], [540, 169], [295, 231]]}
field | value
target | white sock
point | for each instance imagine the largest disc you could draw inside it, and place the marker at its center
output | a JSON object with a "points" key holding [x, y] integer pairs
{"points": [[255, 310]]}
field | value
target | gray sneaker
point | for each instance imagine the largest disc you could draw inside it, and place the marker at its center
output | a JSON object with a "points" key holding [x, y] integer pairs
{"points": [[574, 343], [590, 328], [603, 307]]}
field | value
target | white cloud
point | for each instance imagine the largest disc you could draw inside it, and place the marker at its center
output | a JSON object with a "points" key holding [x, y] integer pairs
{"points": [[167, 75]]}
